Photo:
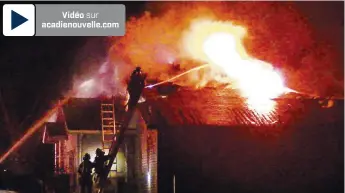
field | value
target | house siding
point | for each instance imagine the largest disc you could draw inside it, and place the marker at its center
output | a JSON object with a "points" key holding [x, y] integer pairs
{"points": [[143, 160], [303, 158], [146, 158], [61, 158], [152, 160]]}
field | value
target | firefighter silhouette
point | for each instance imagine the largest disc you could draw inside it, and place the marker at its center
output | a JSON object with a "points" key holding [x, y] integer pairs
{"points": [[135, 86], [85, 178], [99, 164]]}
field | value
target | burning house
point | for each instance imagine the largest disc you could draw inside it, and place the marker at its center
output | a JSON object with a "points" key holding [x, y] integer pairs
{"points": [[196, 140], [233, 125]]}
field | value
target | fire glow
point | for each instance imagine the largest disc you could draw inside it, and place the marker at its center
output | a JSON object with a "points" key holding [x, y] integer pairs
{"points": [[151, 41], [220, 44]]}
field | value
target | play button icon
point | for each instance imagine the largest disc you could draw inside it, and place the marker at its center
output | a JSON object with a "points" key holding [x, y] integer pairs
{"points": [[17, 19]]}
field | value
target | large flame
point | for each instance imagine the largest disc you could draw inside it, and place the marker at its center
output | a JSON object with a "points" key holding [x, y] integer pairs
{"points": [[220, 44], [153, 41], [277, 33]]}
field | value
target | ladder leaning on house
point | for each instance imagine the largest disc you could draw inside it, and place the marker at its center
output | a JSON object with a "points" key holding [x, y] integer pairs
{"points": [[117, 141], [108, 127]]}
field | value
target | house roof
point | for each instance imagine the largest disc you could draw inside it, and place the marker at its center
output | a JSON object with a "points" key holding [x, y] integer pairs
{"points": [[221, 107], [186, 106], [85, 113]]}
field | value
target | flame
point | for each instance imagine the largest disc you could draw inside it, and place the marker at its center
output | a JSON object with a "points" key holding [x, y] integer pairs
{"points": [[221, 45], [152, 40]]}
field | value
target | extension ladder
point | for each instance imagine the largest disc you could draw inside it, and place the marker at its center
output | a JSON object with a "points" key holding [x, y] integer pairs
{"points": [[117, 141], [108, 126]]}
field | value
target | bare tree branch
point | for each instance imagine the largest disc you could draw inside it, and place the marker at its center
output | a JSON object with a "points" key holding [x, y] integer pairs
{"points": [[30, 112], [8, 123]]}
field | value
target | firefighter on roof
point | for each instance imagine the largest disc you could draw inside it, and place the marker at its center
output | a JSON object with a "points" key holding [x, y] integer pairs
{"points": [[135, 86]]}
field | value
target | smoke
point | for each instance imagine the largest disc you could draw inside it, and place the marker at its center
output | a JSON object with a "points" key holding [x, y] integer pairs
{"points": [[276, 33], [153, 41], [99, 73]]}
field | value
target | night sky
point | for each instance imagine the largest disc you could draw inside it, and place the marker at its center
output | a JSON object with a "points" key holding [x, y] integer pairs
{"points": [[35, 70]]}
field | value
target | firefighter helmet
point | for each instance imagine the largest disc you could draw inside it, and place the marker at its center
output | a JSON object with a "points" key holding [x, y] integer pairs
{"points": [[86, 157], [99, 152]]}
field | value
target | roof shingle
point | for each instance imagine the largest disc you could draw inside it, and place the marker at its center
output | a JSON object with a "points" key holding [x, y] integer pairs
{"points": [[222, 107]]}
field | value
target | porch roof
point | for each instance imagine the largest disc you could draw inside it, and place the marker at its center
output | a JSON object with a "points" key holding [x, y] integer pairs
{"points": [[84, 114], [55, 129]]}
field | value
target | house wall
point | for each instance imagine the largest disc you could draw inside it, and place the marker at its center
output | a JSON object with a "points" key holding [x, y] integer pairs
{"points": [[137, 157], [145, 155], [306, 157], [89, 144], [152, 161], [72, 153], [65, 156], [59, 157]]}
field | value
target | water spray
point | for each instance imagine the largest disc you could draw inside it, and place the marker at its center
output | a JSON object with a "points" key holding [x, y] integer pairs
{"points": [[179, 75], [35, 127]]}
